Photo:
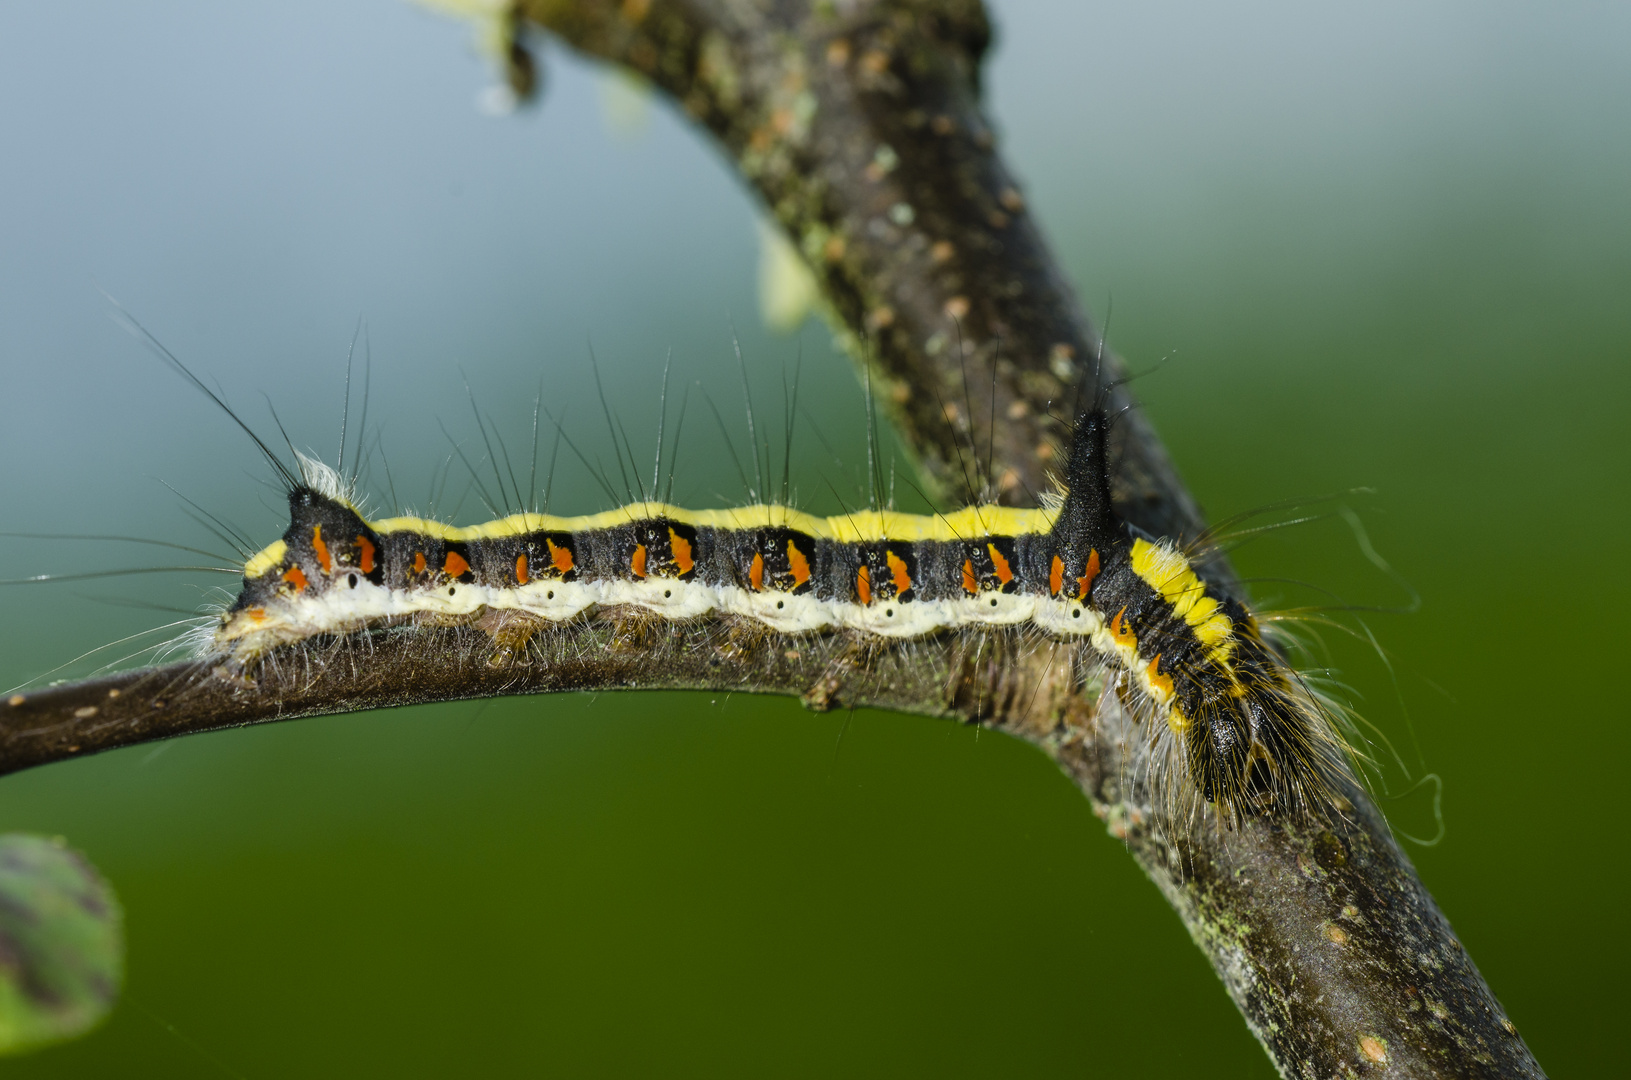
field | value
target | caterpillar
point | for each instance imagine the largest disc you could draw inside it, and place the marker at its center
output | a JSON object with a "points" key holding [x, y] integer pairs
{"points": [[1249, 736]]}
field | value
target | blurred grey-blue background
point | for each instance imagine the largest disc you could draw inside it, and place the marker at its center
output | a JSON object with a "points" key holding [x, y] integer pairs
{"points": [[1386, 247]]}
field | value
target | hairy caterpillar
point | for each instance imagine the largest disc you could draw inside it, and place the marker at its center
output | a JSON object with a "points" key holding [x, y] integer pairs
{"points": [[1228, 710]]}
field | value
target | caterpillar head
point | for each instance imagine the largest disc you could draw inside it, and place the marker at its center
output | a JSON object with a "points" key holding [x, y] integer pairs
{"points": [[1267, 751]]}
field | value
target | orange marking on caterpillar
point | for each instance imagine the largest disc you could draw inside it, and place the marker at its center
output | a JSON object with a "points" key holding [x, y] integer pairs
{"points": [[1161, 682], [521, 568], [1086, 580], [681, 548], [455, 565], [1005, 573], [798, 564], [419, 562], [756, 572], [1056, 576], [897, 570], [1122, 632], [971, 584], [317, 545], [296, 577], [365, 555], [559, 556], [257, 614], [863, 584], [637, 561]]}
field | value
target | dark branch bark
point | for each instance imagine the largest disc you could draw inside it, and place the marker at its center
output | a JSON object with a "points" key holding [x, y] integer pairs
{"points": [[971, 677], [858, 123]]}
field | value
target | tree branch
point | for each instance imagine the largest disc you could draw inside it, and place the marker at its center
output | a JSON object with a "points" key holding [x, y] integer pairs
{"points": [[991, 677], [858, 123]]}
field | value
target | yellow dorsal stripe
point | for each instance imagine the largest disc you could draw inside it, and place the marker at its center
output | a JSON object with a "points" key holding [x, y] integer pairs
{"points": [[863, 526], [264, 560], [1167, 572]]}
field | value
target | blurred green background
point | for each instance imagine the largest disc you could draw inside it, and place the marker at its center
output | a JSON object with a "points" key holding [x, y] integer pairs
{"points": [[1386, 247]]}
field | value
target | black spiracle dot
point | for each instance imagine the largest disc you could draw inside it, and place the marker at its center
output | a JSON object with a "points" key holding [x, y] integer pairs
{"points": [[993, 601], [780, 604], [352, 578], [451, 590], [551, 595], [1076, 614], [889, 612], [667, 593]]}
